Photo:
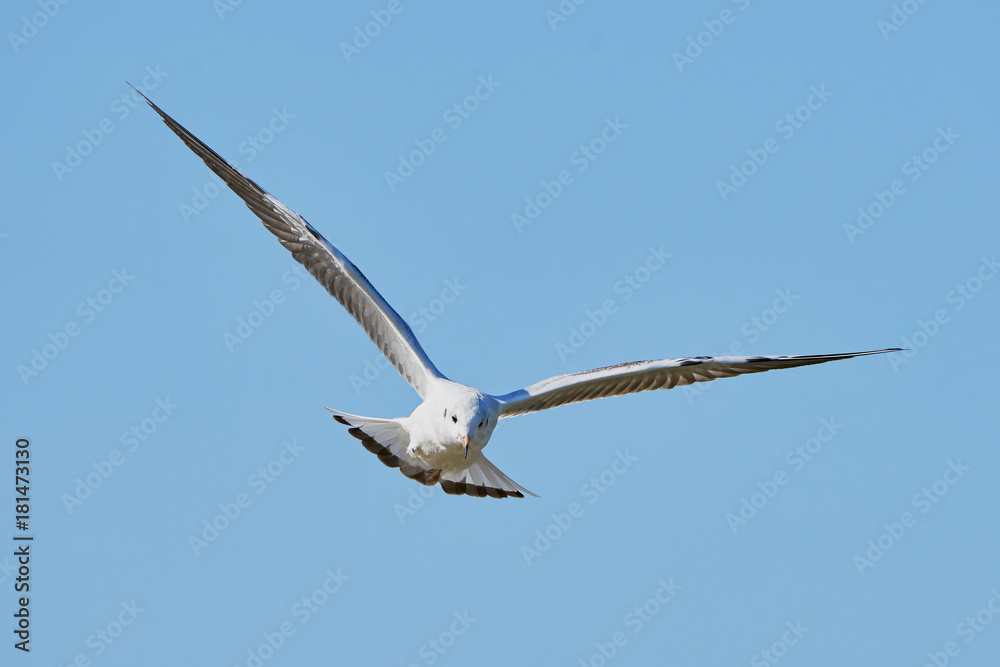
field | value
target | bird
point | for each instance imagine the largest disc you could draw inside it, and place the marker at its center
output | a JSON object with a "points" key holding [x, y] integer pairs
{"points": [[441, 442]]}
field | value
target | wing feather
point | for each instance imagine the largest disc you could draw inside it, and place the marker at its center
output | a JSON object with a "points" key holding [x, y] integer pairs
{"points": [[328, 265], [637, 376]]}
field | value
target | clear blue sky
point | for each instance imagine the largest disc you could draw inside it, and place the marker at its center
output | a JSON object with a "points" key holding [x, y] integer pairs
{"points": [[804, 179]]}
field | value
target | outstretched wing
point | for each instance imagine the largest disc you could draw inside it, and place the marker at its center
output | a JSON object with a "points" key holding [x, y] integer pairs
{"points": [[639, 376], [328, 265]]}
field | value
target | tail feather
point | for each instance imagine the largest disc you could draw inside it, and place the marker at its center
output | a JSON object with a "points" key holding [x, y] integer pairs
{"points": [[481, 479], [388, 440]]}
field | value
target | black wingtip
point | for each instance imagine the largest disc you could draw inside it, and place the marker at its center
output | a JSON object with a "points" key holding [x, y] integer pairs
{"points": [[155, 108], [127, 83]]}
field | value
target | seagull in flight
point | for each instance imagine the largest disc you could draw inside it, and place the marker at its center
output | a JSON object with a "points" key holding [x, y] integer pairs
{"points": [[442, 441]]}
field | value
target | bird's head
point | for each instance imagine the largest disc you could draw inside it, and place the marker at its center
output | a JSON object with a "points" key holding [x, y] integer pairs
{"points": [[471, 422]]}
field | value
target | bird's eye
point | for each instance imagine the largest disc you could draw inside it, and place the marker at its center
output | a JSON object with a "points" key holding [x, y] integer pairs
{"points": [[454, 419], [481, 423]]}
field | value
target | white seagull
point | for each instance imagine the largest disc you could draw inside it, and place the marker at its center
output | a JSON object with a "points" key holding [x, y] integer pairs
{"points": [[442, 441]]}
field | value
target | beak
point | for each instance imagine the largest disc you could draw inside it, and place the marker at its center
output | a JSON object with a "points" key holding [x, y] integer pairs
{"points": [[465, 444]]}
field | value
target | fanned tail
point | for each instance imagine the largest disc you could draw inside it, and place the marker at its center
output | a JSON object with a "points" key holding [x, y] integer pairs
{"points": [[482, 479], [388, 440]]}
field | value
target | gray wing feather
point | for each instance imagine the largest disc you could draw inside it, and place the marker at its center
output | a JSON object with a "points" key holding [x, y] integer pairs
{"points": [[328, 265], [639, 376]]}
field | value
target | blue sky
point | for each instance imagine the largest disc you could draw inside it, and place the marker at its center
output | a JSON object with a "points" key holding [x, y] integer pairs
{"points": [[805, 178]]}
